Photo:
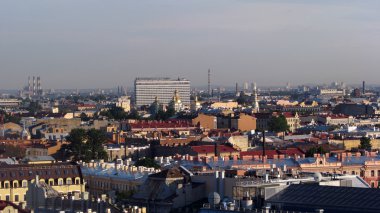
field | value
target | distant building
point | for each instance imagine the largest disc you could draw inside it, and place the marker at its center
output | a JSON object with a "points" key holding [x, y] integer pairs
{"points": [[205, 121], [176, 102], [293, 120], [147, 89], [195, 105], [124, 102], [9, 103], [332, 92], [353, 109]]}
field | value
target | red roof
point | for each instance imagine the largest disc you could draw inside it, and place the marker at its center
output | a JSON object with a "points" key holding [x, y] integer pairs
{"points": [[268, 153], [288, 114], [162, 124], [211, 149], [291, 152]]}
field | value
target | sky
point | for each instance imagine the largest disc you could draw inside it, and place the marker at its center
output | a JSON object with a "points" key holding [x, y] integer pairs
{"points": [[102, 44]]}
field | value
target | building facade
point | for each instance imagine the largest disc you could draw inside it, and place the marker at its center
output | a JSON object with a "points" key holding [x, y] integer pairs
{"points": [[65, 178], [147, 89]]}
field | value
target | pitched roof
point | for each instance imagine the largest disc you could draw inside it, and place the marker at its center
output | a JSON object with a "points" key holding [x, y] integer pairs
{"points": [[168, 173]]}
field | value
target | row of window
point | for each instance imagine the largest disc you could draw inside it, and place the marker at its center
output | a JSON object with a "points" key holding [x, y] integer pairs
{"points": [[107, 185], [37, 172], [16, 198], [362, 173], [51, 182]]}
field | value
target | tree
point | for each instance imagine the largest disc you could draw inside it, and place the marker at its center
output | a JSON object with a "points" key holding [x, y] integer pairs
{"points": [[147, 162], [84, 117], [9, 118], [8, 150], [365, 143], [34, 107], [86, 145], [315, 150], [278, 124]]}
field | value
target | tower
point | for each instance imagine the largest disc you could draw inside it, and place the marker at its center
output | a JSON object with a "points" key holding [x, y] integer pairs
{"points": [[363, 88], [38, 85], [29, 85], [237, 88], [209, 82], [255, 101]]}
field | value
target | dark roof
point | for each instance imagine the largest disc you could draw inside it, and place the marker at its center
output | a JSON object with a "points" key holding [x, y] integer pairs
{"points": [[168, 173], [44, 171], [329, 198], [211, 149]]}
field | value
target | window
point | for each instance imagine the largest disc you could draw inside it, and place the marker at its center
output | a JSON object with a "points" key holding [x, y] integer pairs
{"points": [[68, 181], [24, 183], [15, 184], [60, 182], [372, 173], [6, 185], [353, 172], [16, 198], [372, 185], [7, 198]]}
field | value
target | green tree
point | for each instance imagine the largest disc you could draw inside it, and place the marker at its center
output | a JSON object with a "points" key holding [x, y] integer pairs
{"points": [[278, 124], [315, 150], [147, 162], [8, 150], [86, 145], [6, 117], [84, 117], [365, 143], [118, 113], [34, 107]]}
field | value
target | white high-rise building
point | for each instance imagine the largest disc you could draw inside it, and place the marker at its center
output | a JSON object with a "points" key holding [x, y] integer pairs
{"points": [[147, 89]]}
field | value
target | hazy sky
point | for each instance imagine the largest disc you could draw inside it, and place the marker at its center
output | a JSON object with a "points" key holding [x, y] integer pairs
{"points": [[104, 43]]}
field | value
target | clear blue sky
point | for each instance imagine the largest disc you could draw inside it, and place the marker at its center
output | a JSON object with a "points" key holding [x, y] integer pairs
{"points": [[98, 43]]}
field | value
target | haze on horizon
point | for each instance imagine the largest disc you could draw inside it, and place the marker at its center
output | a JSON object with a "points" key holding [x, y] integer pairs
{"points": [[102, 44]]}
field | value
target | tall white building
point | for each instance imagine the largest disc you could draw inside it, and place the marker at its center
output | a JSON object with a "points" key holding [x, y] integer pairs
{"points": [[147, 89]]}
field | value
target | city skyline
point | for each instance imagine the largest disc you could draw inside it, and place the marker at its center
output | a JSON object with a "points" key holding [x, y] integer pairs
{"points": [[95, 44]]}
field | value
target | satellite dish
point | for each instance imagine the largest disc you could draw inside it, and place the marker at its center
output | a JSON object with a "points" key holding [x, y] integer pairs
{"points": [[318, 177], [214, 198]]}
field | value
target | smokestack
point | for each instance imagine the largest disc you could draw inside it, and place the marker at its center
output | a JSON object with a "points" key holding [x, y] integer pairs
{"points": [[209, 82], [38, 85], [236, 88], [363, 87], [34, 85]]}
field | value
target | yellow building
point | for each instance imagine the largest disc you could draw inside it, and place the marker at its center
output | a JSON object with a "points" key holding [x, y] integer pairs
{"points": [[65, 178], [354, 143]]}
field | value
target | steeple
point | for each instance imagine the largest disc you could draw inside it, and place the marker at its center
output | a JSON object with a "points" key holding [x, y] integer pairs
{"points": [[255, 101]]}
